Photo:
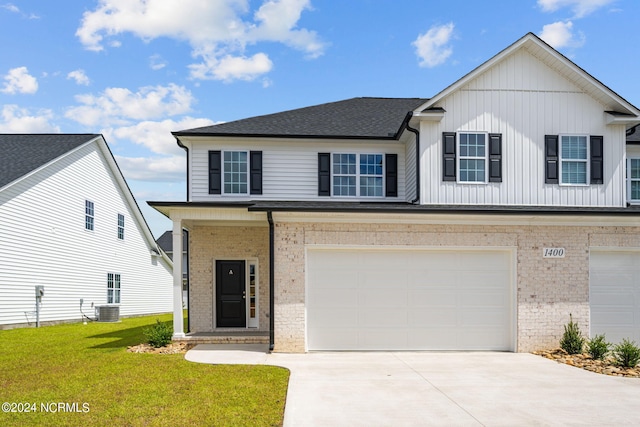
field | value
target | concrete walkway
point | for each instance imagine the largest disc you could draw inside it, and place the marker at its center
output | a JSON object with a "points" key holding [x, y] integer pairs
{"points": [[439, 389]]}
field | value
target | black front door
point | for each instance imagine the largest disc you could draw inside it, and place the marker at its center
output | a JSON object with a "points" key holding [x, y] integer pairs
{"points": [[230, 294]]}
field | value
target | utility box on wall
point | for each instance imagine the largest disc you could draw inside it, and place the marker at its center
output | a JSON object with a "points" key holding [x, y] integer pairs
{"points": [[108, 313]]}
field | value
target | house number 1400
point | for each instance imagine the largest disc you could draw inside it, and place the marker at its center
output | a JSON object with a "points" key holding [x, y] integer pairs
{"points": [[553, 253]]}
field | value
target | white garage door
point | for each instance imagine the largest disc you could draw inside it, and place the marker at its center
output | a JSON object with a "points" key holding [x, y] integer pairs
{"points": [[409, 300], [614, 295]]}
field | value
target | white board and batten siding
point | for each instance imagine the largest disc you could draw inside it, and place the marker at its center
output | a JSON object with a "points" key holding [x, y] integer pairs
{"points": [[44, 242], [524, 100], [290, 167]]}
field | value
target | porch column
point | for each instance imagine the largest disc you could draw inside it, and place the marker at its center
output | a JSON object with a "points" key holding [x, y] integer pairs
{"points": [[178, 322]]}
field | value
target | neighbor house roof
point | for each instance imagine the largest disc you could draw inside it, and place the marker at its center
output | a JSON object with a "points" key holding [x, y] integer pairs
{"points": [[24, 153], [368, 118], [634, 135], [166, 241]]}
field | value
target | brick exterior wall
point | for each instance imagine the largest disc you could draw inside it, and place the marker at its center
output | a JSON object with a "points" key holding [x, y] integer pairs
{"points": [[547, 289], [207, 244]]}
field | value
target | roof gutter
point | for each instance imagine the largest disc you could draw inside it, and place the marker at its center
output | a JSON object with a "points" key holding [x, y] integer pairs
{"points": [[181, 145], [271, 281], [417, 134]]}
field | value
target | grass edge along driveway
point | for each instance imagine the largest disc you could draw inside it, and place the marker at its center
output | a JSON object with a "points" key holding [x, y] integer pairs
{"points": [[77, 374]]}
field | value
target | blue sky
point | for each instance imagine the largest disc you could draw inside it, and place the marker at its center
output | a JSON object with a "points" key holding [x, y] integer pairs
{"points": [[135, 70]]}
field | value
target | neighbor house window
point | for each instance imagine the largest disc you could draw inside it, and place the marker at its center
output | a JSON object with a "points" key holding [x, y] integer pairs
{"points": [[574, 159], [88, 215], [633, 179], [472, 149], [235, 171], [120, 226], [357, 175], [113, 288]]}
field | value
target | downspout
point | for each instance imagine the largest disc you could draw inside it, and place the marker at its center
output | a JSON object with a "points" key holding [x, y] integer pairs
{"points": [[187, 151], [271, 281], [417, 134]]}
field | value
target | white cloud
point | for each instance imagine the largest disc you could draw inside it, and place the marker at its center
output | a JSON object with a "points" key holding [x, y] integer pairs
{"points": [[79, 76], [19, 120], [10, 7], [156, 136], [156, 62], [18, 80], [432, 47], [229, 68], [580, 8], [120, 106], [157, 169], [216, 31], [560, 35]]}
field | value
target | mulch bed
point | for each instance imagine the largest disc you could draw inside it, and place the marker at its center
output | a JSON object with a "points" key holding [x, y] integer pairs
{"points": [[173, 348], [584, 361]]}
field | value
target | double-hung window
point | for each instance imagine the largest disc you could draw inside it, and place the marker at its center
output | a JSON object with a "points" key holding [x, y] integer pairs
{"points": [[633, 179], [120, 227], [574, 159], [235, 172], [357, 175], [473, 157], [113, 288], [88, 215]]}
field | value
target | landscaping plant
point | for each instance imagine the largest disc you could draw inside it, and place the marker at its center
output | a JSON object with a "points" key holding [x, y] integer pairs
{"points": [[159, 334], [626, 354], [572, 340], [598, 347]]}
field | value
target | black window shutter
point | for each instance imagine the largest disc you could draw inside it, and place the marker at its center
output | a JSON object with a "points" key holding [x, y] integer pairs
{"points": [[551, 159], [255, 175], [215, 172], [324, 174], [391, 175], [495, 157], [597, 175], [448, 156]]}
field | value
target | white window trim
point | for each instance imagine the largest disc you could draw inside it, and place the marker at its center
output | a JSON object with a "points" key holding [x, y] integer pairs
{"points": [[222, 181], [118, 226], [629, 180], [118, 290], [459, 157], [561, 160], [91, 216], [252, 323], [357, 174]]}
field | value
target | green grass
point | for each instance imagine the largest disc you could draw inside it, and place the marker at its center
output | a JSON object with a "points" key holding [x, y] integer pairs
{"points": [[89, 364]]}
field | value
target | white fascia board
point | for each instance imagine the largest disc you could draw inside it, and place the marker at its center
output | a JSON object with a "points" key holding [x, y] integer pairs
{"points": [[454, 218], [429, 116], [628, 121]]}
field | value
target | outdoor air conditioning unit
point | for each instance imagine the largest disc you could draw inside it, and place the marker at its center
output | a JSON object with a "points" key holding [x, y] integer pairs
{"points": [[108, 313]]}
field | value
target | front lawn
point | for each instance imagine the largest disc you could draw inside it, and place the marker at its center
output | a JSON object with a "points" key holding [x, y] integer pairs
{"points": [[83, 375]]}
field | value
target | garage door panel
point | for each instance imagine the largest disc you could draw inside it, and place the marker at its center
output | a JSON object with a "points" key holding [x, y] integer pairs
{"points": [[408, 300], [614, 294], [334, 297]]}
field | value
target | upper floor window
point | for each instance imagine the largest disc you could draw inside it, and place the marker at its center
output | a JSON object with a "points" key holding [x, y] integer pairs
{"points": [[113, 288], [358, 175], [473, 157], [574, 159], [633, 179], [235, 172], [88, 215], [574, 156], [120, 226]]}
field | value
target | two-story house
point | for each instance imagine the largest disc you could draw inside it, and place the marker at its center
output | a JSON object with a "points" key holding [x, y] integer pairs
{"points": [[478, 219]]}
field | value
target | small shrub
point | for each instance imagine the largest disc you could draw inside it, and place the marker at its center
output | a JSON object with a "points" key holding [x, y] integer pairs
{"points": [[572, 340], [626, 354], [598, 347], [159, 334]]}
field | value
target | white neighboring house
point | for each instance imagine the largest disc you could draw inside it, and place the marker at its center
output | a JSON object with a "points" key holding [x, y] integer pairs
{"points": [[69, 222]]}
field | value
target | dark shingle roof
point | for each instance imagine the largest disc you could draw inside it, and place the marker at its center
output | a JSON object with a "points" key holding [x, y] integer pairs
{"points": [[166, 241], [23, 153], [635, 136], [351, 118]]}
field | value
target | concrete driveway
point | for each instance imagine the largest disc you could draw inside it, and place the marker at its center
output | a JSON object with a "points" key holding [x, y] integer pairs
{"points": [[439, 389]]}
